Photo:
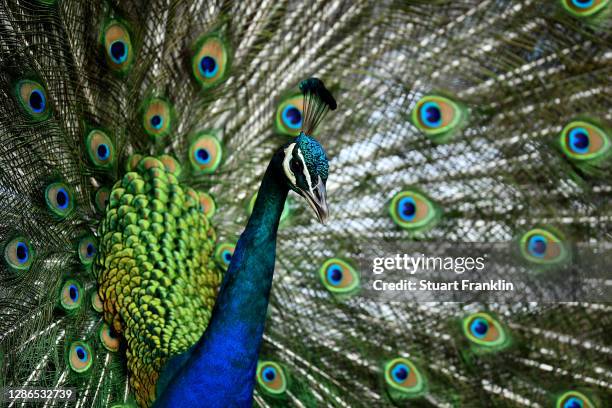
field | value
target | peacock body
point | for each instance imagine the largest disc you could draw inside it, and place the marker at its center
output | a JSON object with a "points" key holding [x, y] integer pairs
{"points": [[134, 136]]}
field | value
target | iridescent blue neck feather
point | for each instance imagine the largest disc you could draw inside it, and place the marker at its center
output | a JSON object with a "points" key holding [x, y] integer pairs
{"points": [[219, 371]]}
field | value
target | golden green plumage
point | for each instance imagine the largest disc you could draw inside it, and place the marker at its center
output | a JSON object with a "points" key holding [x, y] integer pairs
{"points": [[155, 269]]}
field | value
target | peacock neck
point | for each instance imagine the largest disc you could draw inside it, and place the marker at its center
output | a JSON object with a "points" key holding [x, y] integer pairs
{"points": [[221, 367]]}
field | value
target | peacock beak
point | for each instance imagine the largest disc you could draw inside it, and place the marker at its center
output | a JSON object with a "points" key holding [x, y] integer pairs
{"points": [[317, 199]]}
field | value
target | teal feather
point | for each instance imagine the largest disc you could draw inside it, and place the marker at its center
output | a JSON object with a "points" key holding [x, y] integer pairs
{"points": [[520, 71]]}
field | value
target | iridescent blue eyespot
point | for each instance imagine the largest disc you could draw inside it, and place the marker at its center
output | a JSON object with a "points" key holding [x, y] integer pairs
{"points": [[583, 3], [579, 140], [118, 51], [80, 357], [23, 253], [404, 380], [33, 99], [413, 211], [537, 246], [74, 293], [70, 295], [542, 246], [573, 403], [103, 151], [157, 121], [292, 117], [202, 156], [431, 115], [224, 253], [485, 333], [205, 153], [334, 275], [400, 372], [339, 277], [271, 378], [479, 328], [117, 46], [37, 101], [407, 208], [62, 199], [208, 66], [574, 399], [584, 8], [87, 250], [18, 254], [211, 60], [269, 374], [59, 199]]}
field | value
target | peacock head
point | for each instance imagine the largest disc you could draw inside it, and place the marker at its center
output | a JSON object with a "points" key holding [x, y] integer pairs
{"points": [[306, 168]]}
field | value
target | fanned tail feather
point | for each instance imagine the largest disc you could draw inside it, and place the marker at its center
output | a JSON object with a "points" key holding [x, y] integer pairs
{"points": [[477, 110]]}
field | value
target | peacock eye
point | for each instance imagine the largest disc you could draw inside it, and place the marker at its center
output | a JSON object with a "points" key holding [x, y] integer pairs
{"points": [[574, 399], [582, 141], [292, 117], [205, 154], [224, 253], [483, 330], [271, 377], [87, 250], [33, 98], [18, 254], [117, 46], [80, 357], [437, 116], [211, 61], [101, 198], [59, 199], [339, 277], [412, 210], [157, 117], [70, 297], [541, 246], [584, 8], [96, 302], [108, 338], [404, 379], [100, 149], [289, 115]]}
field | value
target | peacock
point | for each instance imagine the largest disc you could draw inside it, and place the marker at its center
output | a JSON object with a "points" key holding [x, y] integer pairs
{"points": [[160, 162]]}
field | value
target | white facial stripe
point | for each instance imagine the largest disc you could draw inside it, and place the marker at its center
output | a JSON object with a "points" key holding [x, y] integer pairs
{"points": [[306, 172], [286, 160]]}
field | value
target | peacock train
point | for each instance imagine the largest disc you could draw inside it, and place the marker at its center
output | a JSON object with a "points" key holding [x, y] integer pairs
{"points": [[189, 189]]}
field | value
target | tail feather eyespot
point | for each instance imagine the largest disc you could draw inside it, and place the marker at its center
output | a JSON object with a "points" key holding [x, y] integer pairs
{"points": [[290, 115], [71, 295], [404, 379], [33, 99], [19, 254], [80, 357], [59, 199], [271, 378], [117, 45], [584, 8], [211, 60]]}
